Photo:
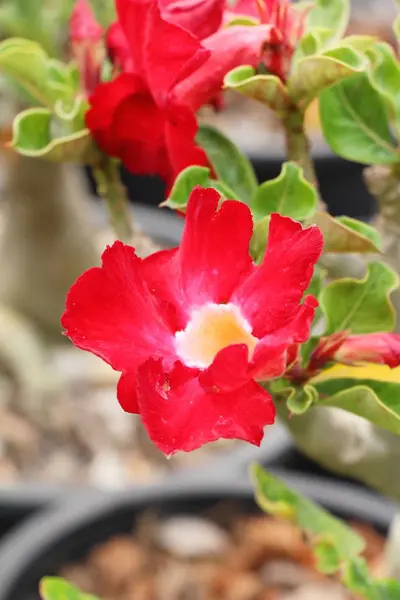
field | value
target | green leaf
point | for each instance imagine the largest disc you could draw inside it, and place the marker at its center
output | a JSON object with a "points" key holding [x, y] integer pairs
{"points": [[362, 306], [302, 399], [55, 588], [231, 166], [342, 235], [385, 78], [376, 401], [289, 195], [267, 89], [362, 43], [329, 14], [358, 580], [25, 62], [188, 179], [312, 74], [258, 242], [311, 43], [33, 135], [333, 541], [367, 231], [355, 123]]}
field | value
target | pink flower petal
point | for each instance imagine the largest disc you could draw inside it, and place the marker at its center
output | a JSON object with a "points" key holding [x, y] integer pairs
{"points": [[200, 17]]}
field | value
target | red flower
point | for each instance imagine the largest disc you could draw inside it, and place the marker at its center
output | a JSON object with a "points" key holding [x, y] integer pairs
{"points": [[228, 47], [136, 117], [192, 329], [378, 348], [87, 44], [288, 28]]}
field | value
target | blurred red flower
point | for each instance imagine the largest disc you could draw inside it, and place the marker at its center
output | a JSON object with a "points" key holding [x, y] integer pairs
{"points": [[87, 44], [192, 329]]}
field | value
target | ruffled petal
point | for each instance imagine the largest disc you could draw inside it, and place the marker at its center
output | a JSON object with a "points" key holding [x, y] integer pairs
{"points": [[229, 48], [200, 17], [270, 296], [185, 417], [212, 261], [163, 53], [110, 312], [126, 392], [228, 371]]}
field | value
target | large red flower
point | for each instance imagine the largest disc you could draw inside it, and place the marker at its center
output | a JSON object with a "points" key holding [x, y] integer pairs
{"points": [[135, 117], [192, 329]]}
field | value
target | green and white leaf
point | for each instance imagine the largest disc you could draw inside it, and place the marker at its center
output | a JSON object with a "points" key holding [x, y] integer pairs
{"points": [[289, 195], [376, 401], [385, 78], [312, 74], [329, 14], [344, 235], [332, 541], [267, 89], [37, 134], [362, 306], [55, 588]]}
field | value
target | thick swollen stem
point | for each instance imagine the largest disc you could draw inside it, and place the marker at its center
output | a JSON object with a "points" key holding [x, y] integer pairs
{"points": [[111, 189], [298, 145], [47, 240], [383, 182]]}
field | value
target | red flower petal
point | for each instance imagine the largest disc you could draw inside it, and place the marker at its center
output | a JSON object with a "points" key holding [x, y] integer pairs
{"points": [[186, 417], [200, 17], [118, 48], [270, 296], [126, 392], [110, 312], [163, 53], [378, 348], [211, 262], [228, 371], [230, 48]]}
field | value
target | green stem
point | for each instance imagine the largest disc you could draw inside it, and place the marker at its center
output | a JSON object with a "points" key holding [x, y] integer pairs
{"points": [[298, 145], [110, 188]]}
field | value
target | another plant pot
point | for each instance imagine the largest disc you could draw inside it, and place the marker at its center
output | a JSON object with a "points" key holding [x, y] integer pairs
{"points": [[48, 541]]}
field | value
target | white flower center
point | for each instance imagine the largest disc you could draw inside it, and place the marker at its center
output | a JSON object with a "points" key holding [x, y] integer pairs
{"points": [[212, 328]]}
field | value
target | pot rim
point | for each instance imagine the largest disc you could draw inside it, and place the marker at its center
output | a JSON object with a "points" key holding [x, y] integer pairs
{"points": [[31, 540]]}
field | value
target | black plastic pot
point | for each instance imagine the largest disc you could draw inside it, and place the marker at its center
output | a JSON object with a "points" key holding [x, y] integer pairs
{"points": [[55, 537]]}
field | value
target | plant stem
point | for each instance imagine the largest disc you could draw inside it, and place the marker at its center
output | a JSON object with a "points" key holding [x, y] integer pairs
{"points": [[298, 145], [111, 189]]}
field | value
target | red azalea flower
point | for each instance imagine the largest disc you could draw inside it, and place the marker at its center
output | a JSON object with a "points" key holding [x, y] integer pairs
{"points": [[135, 117], [87, 44], [288, 28], [192, 329]]}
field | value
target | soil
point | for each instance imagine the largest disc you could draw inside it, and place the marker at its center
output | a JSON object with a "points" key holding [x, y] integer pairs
{"points": [[200, 558]]}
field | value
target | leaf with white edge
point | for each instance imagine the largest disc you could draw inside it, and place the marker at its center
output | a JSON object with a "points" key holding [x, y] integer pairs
{"points": [[375, 401], [355, 122], [289, 195], [367, 231], [342, 236], [55, 588], [362, 43], [188, 179], [33, 135], [362, 306], [302, 400], [312, 74], [327, 535], [329, 14], [267, 89], [25, 62], [229, 163], [384, 76]]}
